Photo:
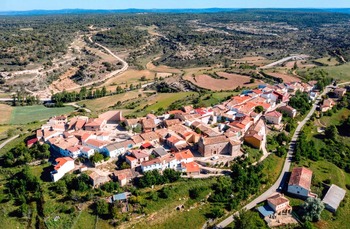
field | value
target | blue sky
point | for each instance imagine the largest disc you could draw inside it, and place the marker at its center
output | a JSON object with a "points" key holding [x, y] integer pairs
{"points": [[6, 5]]}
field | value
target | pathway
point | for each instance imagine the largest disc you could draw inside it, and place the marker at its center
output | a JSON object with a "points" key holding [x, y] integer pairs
{"points": [[8, 141]]}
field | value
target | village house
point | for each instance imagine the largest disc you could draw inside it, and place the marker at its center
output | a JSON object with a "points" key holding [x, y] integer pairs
{"points": [[256, 135], [153, 164], [191, 168], [188, 109], [159, 152], [148, 125], [339, 92], [60, 145], [206, 115], [86, 151], [95, 144], [175, 142], [151, 137], [31, 142], [279, 204], [62, 165], [236, 101], [124, 177], [273, 117], [58, 120], [171, 122], [114, 149], [300, 183], [327, 105], [131, 123], [74, 151], [77, 123], [97, 179], [290, 111], [276, 209], [95, 124], [136, 157]]}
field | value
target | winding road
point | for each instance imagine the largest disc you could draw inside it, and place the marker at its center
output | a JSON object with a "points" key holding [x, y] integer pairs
{"points": [[282, 178], [110, 75]]}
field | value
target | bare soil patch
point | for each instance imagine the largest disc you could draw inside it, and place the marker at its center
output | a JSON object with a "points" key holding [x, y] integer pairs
{"points": [[300, 64], [64, 82], [231, 82], [161, 68]]}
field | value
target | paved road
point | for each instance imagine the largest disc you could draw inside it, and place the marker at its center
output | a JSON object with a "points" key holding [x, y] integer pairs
{"points": [[286, 167], [293, 57]]}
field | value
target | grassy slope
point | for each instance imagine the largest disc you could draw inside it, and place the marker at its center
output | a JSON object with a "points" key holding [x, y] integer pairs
{"points": [[341, 72], [23, 115], [323, 170], [105, 102]]}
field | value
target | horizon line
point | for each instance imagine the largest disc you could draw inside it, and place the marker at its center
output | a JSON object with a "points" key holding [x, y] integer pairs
{"points": [[228, 8]]}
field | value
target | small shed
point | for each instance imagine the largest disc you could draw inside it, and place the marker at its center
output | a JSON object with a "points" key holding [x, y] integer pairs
{"points": [[333, 198]]}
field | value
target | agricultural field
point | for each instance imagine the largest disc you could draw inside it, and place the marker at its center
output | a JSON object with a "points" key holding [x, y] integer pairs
{"points": [[105, 102], [253, 60], [227, 81], [286, 78], [27, 114], [160, 100], [6, 112]]}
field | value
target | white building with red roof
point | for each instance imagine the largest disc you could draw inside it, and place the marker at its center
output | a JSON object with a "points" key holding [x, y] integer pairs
{"points": [[62, 166], [300, 182], [273, 117]]}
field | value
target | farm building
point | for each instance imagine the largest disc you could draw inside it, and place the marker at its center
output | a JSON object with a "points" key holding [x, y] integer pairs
{"points": [[333, 197], [300, 182]]}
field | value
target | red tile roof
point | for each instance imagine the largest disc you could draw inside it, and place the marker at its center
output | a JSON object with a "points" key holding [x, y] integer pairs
{"points": [[147, 145], [301, 176], [277, 199], [32, 141], [186, 154], [151, 162], [96, 143], [274, 114], [61, 161], [192, 167]]}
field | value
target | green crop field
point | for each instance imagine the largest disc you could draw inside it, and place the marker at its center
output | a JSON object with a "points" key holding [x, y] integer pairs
{"points": [[23, 115]]}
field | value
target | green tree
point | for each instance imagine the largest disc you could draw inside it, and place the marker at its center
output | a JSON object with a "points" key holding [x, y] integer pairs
{"points": [[258, 109], [216, 212], [102, 208], [97, 157], [331, 132], [312, 209], [248, 219]]}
